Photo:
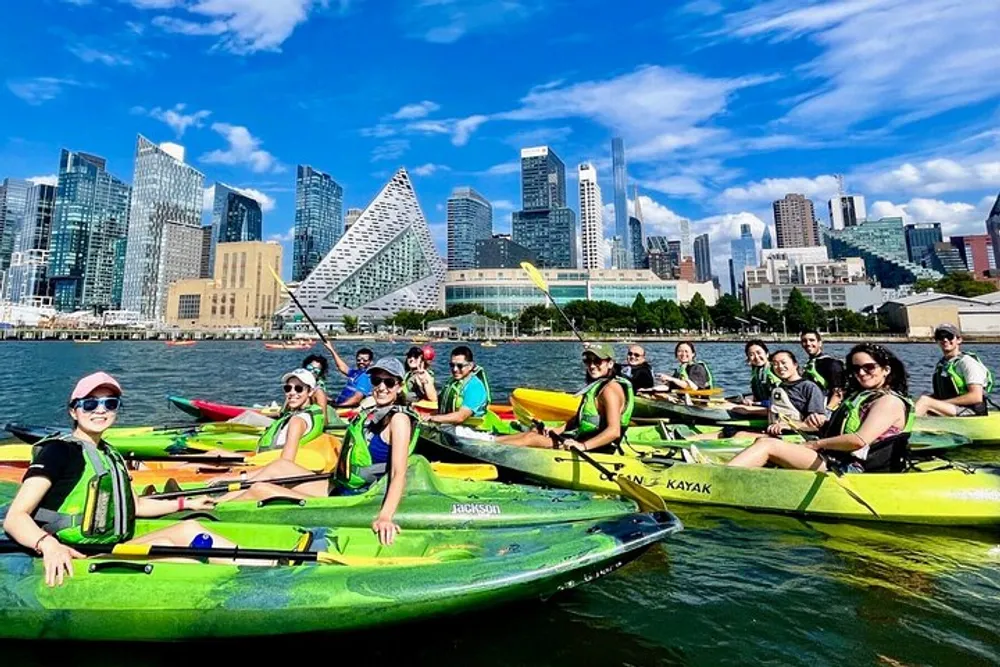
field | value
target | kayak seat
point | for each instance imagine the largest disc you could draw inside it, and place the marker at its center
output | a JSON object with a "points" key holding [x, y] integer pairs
{"points": [[889, 455]]}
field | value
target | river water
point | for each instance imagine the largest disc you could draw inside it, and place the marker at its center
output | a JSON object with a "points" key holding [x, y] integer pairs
{"points": [[733, 588]]}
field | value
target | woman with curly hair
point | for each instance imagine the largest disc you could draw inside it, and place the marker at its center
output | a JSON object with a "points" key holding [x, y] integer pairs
{"points": [[877, 407]]}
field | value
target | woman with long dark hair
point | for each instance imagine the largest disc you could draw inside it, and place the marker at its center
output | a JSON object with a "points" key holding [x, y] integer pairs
{"points": [[691, 373], [877, 407]]}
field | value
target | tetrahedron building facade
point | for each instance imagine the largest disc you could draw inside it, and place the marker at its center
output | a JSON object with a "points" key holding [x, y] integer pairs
{"points": [[385, 262]]}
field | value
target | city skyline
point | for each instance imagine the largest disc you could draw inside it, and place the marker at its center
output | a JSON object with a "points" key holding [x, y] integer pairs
{"points": [[768, 107]]}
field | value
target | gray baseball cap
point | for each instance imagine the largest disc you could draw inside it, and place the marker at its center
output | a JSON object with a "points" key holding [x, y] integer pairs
{"points": [[390, 365]]}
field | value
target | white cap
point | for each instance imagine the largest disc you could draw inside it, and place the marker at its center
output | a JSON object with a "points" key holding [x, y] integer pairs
{"points": [[302, 375]]}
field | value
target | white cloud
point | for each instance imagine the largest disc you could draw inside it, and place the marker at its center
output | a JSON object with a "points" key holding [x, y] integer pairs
{"points": [[503, 205], [243, 26], [267, 203], [417, 110], [465, 127], [502, 169], [447, 21], [908, 58], [380, 131], [702, 7], [244, 150], [48, 179], [936, 176], [678, 186], [390, 150], [429, 169], [287, 237], [176, 119], [539, 136], [91, 55], [40, 89], [955, 217], [820, 188]]}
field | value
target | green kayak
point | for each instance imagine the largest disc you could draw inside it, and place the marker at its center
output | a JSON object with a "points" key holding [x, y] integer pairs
{"points": [[359, 584]]}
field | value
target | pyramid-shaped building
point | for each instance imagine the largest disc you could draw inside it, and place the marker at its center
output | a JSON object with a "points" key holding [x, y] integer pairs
{"points": [[385, 262]]}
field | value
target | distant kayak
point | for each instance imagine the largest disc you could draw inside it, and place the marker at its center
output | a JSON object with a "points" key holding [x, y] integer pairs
{"points": [[180, 343], [288, 346]]}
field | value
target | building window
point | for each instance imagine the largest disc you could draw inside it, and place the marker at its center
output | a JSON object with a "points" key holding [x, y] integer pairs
{"points": [[189, 307]]}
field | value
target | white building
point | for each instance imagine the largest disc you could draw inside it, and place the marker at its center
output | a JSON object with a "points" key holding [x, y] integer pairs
{"points": [[852, 296], [164, 227], [386, 262], [687, 246], [846, 211], [591, 217]]}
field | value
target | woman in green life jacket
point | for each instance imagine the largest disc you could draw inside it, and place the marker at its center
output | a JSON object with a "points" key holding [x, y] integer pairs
{"points": [[876, 408], [317, 365], [691, 373], [604, 412], [380, 437], [77, 490], [762, 377]]}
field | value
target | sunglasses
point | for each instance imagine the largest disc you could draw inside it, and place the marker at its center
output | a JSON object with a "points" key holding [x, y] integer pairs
{"points": [[297, 388], [461, 365], [362, 360], [590, 360], [941, 337], [315, 368], [389, 382], [109, 403], [633, 354], [866, 369]]}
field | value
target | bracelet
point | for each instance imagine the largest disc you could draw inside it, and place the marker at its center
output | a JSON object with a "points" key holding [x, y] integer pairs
{"points": [[37, 550], [180, 503]]}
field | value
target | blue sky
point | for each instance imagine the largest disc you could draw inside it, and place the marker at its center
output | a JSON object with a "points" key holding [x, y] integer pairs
{"points": [[724, 105]]}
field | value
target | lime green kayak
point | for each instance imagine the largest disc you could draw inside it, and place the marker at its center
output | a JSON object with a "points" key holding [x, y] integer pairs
{"points": [[357, 583], [950, 495], [983, 430]]}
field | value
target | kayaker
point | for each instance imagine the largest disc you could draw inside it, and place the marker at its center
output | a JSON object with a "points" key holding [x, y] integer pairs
{"points": [[795, 399], [77, 490], [379, 439], [605, 409], [762, 378], [691, 373], [418, 383], [876, 408], [358, 385], [316, 364], [636, 369], [467, 395], [961, 381], [823, 369]]}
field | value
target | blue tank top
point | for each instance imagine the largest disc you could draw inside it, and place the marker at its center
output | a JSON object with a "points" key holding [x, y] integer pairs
{"points": [[379, 449]]}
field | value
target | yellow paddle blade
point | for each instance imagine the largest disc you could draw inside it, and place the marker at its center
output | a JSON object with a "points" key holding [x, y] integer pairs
{"points": [[535, 275], [329, 558], [131, 550], [15, 453], [430, 406], [647, 500], [700, 392], [480, 472]]}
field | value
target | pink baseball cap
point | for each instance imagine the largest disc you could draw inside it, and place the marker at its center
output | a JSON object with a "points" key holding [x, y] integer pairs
{"points": [[93, 382]]}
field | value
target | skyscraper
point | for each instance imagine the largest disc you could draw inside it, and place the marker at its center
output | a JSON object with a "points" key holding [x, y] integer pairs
{"points": [[846, 211], [687, 247], [91, 215], [977, 252], [795, 222], [13, 207], [26, 279], [352, 216], [470, 219], [207, 265], [766, 242], [920, 240], [235, 217], [744, 254], [702, 259], [164, 227], [319, 219], [545, 226], [591, 217], [636, 246], [993, 229], [620, 176]]}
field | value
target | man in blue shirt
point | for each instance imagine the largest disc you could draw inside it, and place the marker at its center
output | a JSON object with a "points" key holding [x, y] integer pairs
{"points": [[359, 385], [467, 394]]}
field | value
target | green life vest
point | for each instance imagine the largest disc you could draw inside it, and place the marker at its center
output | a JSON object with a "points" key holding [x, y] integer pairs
{"points": [[762, 381], [451, 398], [813, 374], [949, 383], [356, 456], [269, 437], [588, 417], [100, 509], [682, 373], [848, 416], [412, 389]]}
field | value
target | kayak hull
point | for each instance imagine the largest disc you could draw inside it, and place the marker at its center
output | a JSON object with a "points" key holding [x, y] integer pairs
{"points": [[948, 496], [159, 601]]}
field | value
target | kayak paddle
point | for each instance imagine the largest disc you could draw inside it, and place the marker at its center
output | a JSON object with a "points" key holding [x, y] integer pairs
{"points": [[305, 314], [236, 485], [539, 280]]}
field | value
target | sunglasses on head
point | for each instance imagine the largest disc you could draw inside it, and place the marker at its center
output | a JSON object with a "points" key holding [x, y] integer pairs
{"points": [[389, 382], [297, 388], [110, 403], [867, 369]]}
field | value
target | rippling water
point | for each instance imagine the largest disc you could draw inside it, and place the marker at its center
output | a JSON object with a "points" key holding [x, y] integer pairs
{"points": [[733, 588]]}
